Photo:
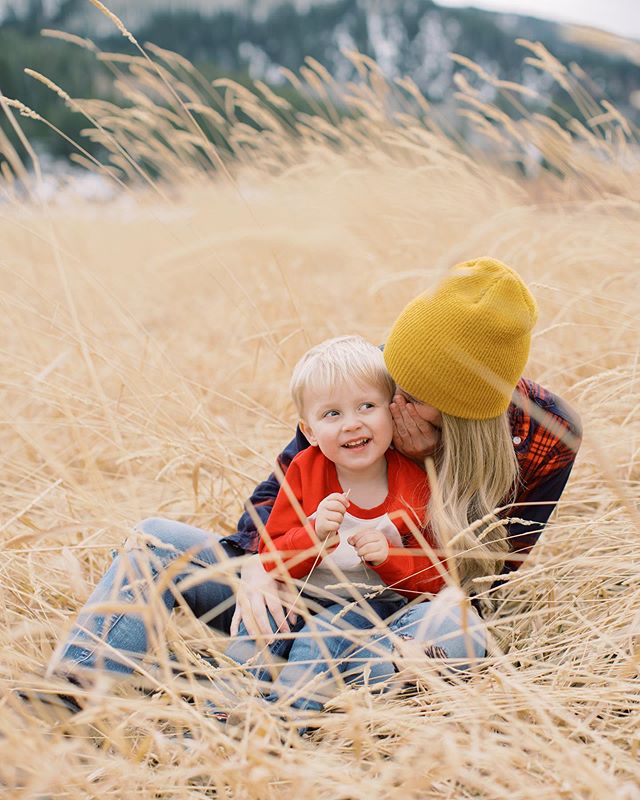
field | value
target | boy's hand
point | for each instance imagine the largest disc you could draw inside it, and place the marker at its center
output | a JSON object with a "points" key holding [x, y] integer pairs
{"points": [[371, 546], [330, 514]]}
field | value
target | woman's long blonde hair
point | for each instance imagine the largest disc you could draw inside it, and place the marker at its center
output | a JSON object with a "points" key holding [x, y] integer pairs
{"points": [[476, 472]]}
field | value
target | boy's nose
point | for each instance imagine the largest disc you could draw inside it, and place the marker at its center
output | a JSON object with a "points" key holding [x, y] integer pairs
{"points": [[351, 423]]}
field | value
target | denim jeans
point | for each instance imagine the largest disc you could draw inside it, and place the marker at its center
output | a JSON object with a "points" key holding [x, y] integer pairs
{"points": [[316, 653], [447, 623], [122, 618], [330, 650], [108, 636]]}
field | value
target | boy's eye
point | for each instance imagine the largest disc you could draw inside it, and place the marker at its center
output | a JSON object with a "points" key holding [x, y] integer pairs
{"points": [[368, 405], [331, 413]]}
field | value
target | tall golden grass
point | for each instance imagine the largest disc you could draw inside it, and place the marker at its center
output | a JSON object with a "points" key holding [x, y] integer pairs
{"points": [[146, 348]]}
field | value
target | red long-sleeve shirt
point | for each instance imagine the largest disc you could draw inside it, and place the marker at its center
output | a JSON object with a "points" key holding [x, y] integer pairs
{"points": [[310, 478]]}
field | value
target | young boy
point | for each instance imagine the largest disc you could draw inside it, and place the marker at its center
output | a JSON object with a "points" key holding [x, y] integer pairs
{"points": [[341, 525]]}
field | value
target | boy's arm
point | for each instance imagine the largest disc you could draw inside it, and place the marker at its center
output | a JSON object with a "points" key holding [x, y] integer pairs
{"points": [[287, 538], [409, 571], [263, 497]]}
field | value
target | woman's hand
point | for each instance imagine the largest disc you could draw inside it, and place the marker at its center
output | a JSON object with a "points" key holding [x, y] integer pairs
{"points": [[371, 545], [258, 594], [416, 428]]}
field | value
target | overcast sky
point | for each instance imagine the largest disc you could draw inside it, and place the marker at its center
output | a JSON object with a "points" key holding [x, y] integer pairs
{"points": [[617, 16]]}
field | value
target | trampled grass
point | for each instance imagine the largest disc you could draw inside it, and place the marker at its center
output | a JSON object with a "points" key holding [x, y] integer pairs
{"points": [[146, 348]]}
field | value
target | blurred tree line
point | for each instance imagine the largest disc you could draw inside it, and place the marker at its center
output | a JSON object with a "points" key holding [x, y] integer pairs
{"points": [[413, 38]]}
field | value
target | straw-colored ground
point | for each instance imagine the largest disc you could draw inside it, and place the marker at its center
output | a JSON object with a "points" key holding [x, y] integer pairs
{"points": [[146, 349]]}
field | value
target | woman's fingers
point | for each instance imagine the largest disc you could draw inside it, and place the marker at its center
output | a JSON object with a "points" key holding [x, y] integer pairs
{"points": [[257, 592], [274, 604], [398, 420], [257, 619], [290, 596], [405, 425], [253, 612], [413, 435], [422, 426], [255, 609], [235, 620], [243, 613], [410, 420]]}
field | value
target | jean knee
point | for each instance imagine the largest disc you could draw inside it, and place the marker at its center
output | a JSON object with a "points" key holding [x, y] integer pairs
{"points": [[178, 536], [259, 660], [158, 527], [453, 630], [243, 646]]}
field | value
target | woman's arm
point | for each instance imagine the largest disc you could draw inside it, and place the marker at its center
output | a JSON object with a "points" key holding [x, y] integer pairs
{"points": [[546, 459], [535, 506]]}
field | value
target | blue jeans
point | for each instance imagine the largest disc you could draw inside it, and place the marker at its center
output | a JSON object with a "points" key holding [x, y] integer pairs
{"points": [[447, 624], [316, 653], [330, 650], [108, 635], [123, 618]]}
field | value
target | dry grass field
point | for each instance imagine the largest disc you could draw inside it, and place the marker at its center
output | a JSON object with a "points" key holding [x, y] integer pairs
{"points": [[146, 346]]}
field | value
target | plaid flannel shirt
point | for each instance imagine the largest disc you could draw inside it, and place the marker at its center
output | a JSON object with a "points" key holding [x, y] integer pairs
{"points": [[546, 436]]}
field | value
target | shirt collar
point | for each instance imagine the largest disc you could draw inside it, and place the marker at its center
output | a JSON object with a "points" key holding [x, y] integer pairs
{"points": [[519, 418]]}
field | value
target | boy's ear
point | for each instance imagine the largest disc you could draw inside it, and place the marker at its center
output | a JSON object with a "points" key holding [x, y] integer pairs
{"points": [[306, 429]]}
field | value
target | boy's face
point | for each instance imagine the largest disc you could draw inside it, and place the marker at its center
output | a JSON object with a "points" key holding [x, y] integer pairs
{"points": [[350, 423]]}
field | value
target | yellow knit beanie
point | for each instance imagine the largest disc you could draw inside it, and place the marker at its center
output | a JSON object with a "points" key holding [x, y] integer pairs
{"points": [[462, 348]]}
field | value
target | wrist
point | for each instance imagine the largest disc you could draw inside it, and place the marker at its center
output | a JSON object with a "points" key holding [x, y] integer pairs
{"points": [[379, 559]]}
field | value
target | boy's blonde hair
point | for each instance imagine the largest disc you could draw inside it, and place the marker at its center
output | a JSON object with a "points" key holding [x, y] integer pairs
{"points": [[349, 359]]}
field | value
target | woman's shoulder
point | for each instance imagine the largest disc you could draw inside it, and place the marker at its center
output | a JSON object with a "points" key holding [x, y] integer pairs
{"points": [[530, 396], [546, 431]]}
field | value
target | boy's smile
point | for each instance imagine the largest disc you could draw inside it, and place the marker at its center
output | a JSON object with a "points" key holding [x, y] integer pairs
{"points": [[356, 443], [350, 423]]}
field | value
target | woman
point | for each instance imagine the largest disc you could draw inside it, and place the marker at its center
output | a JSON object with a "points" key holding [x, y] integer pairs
{"points": [[497, 440]]}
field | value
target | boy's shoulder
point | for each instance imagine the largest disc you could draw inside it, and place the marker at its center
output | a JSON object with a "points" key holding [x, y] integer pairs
{"points": [[313, 475], [312, 466], [399, 461], [408, 482], [309, 455], [310, 461]]}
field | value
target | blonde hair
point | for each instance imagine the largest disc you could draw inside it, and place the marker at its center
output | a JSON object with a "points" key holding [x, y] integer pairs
{"points": [[343, 359], [476, 472]]}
